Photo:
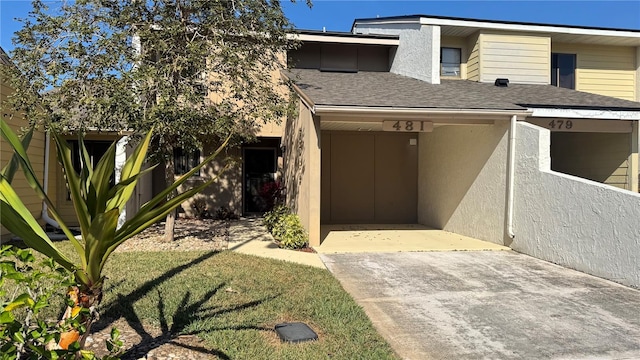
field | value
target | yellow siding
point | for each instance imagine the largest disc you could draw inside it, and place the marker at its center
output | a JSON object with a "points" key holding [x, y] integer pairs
{"points": [[520, 58], [473, 61], [35, 152], [599, 157], [604, 70]]}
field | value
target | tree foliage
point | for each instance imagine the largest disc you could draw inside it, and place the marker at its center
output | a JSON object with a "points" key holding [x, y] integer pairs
{"points": [[197, 71], [193, 69]]}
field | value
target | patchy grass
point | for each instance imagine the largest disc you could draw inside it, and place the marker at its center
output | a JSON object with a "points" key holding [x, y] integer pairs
{"points": [[232, 302]]}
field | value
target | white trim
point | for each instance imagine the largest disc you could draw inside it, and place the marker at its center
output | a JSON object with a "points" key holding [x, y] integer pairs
{"points": [[332, 38], [527, 27], [328, 109], [511, 176], [585, 114], [503, 26]]}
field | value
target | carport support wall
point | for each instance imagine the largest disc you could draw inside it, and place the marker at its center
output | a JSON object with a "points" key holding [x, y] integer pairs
{"points": [[462, 179], [577, 223], [301, 142]]}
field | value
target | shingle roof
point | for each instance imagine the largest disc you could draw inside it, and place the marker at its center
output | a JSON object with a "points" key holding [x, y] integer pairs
{"points": [[383, 89]]}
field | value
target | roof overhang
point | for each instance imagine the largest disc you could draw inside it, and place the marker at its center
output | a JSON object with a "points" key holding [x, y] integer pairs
{"points": [[604, 114], [558, 33], [415, 113], [345, 38]]}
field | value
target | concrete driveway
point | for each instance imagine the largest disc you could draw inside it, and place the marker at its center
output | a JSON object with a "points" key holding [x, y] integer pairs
{"points": [[490, 305]]}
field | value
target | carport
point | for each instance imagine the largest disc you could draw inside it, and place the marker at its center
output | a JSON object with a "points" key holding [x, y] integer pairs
{"points": [[377, 148]]}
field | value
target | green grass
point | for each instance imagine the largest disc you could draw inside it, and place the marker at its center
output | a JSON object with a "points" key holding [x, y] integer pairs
{"points": [[187, 293]]}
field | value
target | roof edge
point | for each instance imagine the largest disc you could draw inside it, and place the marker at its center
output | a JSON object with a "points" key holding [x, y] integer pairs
{"points": [[418, 18]]}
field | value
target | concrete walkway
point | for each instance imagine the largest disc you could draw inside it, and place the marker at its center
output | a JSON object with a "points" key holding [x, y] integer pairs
{"points": [[490, 305], [249, 236]]}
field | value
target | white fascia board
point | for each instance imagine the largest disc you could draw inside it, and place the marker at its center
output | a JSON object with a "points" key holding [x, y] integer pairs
{"points": [[585, 114], [320, 109], [329, 38], [529, 28]]}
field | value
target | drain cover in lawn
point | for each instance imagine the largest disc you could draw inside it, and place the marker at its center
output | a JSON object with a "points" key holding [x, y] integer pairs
{"points": [[295, 332]]}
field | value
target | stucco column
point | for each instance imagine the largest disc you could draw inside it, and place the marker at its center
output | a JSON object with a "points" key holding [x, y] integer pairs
{"points": [[315, 181]]}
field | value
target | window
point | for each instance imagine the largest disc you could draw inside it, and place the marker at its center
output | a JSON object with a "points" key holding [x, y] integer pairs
{"points": [[184, 161], [563, 70], [450, 61]]}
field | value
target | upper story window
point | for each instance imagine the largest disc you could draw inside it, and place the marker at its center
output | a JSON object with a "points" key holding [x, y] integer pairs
{"points": [[450, 59], [184, 161], [563, 70]]}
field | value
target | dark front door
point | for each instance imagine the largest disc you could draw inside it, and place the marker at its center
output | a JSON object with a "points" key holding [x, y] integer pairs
{"points": [[259, 169]]}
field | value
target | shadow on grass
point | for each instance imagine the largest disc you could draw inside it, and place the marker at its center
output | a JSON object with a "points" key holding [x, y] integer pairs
{"points": [[183, 317]]}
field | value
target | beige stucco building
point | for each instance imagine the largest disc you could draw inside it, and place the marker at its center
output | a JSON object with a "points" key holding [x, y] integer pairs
{"points": [[524, 135]]}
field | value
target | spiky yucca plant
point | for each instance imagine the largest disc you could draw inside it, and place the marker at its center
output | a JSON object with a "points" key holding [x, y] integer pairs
{"points": [[97, 204]]}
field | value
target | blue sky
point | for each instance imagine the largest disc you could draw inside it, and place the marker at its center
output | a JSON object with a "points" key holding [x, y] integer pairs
{"points": [[339, 15]]}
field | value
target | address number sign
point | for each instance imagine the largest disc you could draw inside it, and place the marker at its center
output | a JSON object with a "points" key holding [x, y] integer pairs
{"points": [[407, 125]]}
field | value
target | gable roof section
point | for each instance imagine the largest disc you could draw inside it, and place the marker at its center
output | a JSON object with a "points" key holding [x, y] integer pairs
{"points": [[388, 90]]}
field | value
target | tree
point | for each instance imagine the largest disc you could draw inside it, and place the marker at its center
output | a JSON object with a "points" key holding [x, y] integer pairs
{"points": [[195, 70]]}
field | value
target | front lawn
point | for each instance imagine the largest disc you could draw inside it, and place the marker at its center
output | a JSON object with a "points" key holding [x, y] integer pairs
{"points": [[232, 302]]}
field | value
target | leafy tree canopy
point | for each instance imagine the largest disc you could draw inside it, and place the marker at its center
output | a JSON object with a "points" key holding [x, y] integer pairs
{"points": [[195, 69]]}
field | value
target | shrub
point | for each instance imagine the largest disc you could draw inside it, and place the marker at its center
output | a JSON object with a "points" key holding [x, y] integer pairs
{"points": [[271, 218], [200, 210], [224, 213], [290, 232], [271, 194], [27, 291]]}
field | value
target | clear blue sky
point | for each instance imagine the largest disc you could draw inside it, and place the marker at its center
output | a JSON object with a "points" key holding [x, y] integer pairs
{"points": [[339, 15]]}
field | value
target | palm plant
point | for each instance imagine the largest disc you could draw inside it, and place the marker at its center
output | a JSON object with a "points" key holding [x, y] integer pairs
{"points": [[97, 202]]}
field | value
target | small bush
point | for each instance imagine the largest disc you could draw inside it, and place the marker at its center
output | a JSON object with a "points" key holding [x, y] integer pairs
{"points": [[272, 217], [200, 209], [286, 228], [271, 194], [27, 290], [290, 232], [223, 213]]}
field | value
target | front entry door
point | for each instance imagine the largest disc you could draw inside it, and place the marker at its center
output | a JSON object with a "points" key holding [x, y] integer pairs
{"points": [[259, 169]]}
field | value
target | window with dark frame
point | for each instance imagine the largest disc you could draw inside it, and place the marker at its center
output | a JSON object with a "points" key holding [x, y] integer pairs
{"points": [[563, 70], [184, 161], [450, 59]]}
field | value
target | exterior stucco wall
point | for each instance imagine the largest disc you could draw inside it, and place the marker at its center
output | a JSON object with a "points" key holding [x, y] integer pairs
{"points": [[226, 192], [301, 166], [418, 55], [462, 180], [574, 222]]}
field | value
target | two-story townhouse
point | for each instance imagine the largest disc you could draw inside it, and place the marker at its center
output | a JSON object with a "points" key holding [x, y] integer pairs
{"points": [[415, 119]]}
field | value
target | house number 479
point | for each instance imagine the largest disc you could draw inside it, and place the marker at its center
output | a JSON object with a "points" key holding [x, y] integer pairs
{"points": [[561, 124]]}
